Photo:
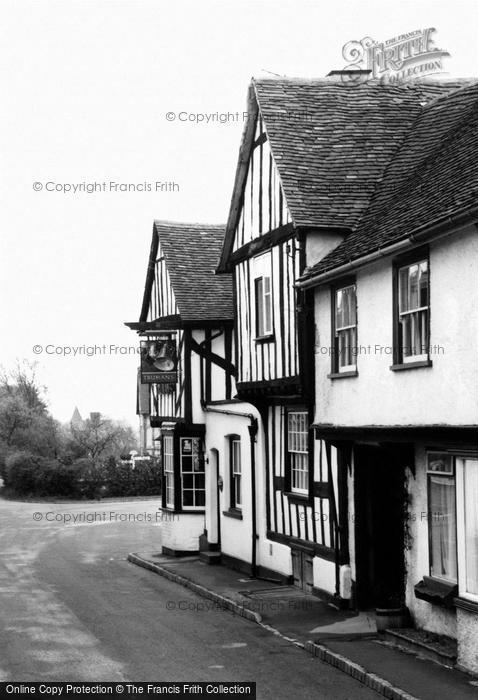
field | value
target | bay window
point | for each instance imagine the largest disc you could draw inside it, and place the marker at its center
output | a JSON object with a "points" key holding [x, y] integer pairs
{"points": [[168, 467], [184, 487], [192, 473], [453, 521]]}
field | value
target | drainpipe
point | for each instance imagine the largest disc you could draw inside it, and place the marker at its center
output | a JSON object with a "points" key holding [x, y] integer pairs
{"points": [[252, 428]]}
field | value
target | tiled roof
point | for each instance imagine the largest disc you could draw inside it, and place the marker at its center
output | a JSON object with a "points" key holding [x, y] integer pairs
{"points": [[433, 175], [332, 140], [191, 254]]}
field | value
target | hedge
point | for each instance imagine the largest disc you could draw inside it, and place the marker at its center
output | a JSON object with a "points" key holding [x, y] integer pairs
{"points": [[27, 474]]}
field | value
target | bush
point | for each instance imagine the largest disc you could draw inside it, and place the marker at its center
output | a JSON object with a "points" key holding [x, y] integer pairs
{"points": [[56, 479], [28, 474], [21, 472], [124, 479]]}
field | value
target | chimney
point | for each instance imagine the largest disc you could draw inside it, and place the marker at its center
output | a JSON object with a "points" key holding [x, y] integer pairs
{"points": [[352, 76]]}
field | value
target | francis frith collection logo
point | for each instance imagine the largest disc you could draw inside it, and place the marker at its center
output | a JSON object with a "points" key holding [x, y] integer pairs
{"points": [[405, 57]]}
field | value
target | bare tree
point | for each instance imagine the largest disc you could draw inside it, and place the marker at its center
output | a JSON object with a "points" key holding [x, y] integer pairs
{"points": [[101, 437]]}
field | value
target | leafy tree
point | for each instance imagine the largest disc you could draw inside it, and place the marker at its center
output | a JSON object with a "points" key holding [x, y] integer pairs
{"points": [[25, 423]]}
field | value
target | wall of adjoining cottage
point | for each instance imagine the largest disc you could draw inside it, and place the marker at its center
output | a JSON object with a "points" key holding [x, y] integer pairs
{"points": [[443, 394]]}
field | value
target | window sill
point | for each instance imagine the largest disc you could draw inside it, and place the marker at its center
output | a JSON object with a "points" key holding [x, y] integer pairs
{"points": [[233, 513], [411, 365], [295, 497], [436, 591], [343, 375], [465, 604], [265, 339]]}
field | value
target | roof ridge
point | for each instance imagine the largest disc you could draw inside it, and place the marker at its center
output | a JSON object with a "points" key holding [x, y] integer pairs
{"points": [[473, 83], [187, 224]]}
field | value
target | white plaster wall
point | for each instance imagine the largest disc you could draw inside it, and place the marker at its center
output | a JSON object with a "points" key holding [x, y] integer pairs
{"points": [[275, 556], [467, 623], [324, 574], [446, 393], [182, 531], [236, 535], [319, 243], [427, 616]]}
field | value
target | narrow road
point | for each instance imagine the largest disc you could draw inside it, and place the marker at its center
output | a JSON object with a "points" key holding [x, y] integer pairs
{"points": [[73, 609]]}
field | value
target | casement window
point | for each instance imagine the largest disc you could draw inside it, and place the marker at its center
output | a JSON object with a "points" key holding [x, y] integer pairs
{"points": [[192, 473], [235, 475], [345, 329], [453, 521], [168, 468], [297, 451], [413, 312], [261, 271], [263, 297]]}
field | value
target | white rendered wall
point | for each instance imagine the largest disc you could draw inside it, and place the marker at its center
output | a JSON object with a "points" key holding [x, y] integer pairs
{"points": [[443, 394]]}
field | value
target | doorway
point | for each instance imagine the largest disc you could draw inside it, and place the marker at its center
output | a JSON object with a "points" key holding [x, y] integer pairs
{"points": [[379, 478]]}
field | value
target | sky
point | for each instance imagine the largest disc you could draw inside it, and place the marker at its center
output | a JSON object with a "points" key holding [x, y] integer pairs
{"points": [[86, 90]]}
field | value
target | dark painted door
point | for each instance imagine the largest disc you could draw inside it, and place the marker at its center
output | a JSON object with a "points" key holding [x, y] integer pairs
{"points": [[379, 478]]}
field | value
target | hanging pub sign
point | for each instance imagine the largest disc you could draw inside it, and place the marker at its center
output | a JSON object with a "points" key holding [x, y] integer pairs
{"points": [[159, 361]]}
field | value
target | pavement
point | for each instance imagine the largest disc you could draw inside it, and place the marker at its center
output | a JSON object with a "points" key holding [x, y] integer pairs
{"points": [[345, 639]]}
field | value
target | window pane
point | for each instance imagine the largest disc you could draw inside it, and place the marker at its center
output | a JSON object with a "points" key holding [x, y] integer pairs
{"points": [[188, 481], [471, 524], [188, 498], [352, 306], [413, 281], [260, 307], [238, 494], [442, 524], [267, 314], [339, 316], [423, 284]]}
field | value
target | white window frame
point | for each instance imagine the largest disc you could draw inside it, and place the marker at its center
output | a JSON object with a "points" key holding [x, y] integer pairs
{"points": [[461, 465], [298, 452], [448, 472], [168, 468], [236, 472], [348, 332], [263, 299], [192, 472], [417, 314]]}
